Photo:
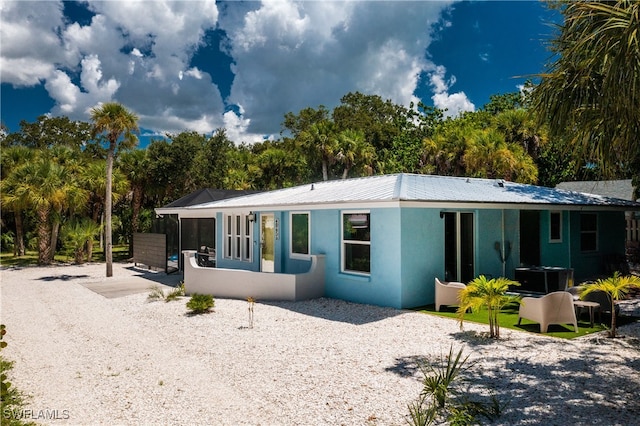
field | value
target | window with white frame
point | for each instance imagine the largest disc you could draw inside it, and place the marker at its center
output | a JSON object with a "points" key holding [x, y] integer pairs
{"points": [[238, 237], [588, 232], [356, 242], [246, 239], [555, 227], [228, 236], [300, 241]]}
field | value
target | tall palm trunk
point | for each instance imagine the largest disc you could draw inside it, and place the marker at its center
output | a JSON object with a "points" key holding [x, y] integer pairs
{"points": [[612, 332], [107, 209], [55, 231], [44, 233], [18, 246]]}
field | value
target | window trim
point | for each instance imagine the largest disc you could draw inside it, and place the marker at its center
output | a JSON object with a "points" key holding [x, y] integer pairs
{"points": [[228, 236], [557, 213], [594, 232], [292, 254], [238, 236], [343, 266]]}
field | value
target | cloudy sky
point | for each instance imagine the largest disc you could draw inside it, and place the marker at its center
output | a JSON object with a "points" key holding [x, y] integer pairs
{"points": [[202, 65]]}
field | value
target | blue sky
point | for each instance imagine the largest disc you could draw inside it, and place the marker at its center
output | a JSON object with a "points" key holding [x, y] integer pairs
{"points": [[203, 65]]}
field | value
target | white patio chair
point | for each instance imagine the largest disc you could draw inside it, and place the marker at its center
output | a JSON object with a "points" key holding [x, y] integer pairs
{"points": [[447, 293], [553, 308]]}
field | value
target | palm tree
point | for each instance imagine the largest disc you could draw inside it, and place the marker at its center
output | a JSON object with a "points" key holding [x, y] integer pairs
{"points": [[355, 150], [69, 160], [616, 288], [491, 294], [321, 139], [93, 180], [519, 126], [48, 188], [134, 165], [591, 92], [12, 159], [78, 235], [489, 156], [115, 122]]}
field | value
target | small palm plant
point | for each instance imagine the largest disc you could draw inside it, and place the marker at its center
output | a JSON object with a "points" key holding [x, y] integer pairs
{"points": [[616, 287], [252, 303], [491, 294]]}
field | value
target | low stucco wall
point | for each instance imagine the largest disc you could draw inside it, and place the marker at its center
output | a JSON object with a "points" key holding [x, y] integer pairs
{"points": [[240, 284]]}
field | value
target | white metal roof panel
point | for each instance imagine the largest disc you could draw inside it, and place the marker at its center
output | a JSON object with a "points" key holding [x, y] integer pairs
{"points": [[417, 188]]}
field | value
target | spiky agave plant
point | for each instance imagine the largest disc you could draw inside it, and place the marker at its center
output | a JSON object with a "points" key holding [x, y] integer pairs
{"points": [[487, 293], [616, 287]]}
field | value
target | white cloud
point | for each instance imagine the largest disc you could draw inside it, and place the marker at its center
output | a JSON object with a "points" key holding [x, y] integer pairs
{"points": [[286, 56], [453, 104], [30, 46], [291, 55], [237, 128], [132, 52]]}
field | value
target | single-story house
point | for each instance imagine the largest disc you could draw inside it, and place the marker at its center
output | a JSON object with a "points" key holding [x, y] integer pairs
{"points": [[383, 239]]}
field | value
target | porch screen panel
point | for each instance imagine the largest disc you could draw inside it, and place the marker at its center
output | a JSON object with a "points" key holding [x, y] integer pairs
{"points": [[197, 233], [189, 234], [207, 233]]}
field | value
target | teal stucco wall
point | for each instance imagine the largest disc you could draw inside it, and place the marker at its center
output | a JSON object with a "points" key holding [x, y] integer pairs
{"points": [[611, 241], [555, 253], [422, 255], [407, 250]]}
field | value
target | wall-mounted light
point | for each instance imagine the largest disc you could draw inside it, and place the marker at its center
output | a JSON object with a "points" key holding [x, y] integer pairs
{"points": [[441, 215], [251, 216]]}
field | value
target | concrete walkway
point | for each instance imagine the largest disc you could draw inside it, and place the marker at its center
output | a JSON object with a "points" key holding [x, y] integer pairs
{"points": [[119, 287]]}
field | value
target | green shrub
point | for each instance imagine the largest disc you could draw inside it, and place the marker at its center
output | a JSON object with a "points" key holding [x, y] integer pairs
{"points": [[441, 399], [176, 293], [200, 303], [155, 293], [11, 399]]}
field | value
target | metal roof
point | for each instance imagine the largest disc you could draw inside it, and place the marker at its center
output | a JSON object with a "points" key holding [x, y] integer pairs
{"points": [[417, 188], [206, 195], [608, 188]]}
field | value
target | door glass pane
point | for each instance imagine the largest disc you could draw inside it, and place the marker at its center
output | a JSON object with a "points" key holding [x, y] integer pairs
{"points": [[450, 248], [466, 247], [267, 239]]}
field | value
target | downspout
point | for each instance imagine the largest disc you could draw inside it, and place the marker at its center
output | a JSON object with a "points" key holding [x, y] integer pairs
{"points": [[502, 248]]}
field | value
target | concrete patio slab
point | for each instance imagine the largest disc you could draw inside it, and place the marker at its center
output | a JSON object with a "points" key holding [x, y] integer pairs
{"points": [[120, 287]]}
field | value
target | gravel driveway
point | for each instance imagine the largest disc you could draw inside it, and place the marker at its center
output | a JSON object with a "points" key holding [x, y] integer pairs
{"points": [[86, 359]]}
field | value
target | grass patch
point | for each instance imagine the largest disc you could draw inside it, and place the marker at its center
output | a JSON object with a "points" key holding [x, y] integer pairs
{"points": [[120, 254], [508, 318]]}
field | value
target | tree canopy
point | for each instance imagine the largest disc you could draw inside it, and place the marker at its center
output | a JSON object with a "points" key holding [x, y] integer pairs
{"points": [[590, 93]]}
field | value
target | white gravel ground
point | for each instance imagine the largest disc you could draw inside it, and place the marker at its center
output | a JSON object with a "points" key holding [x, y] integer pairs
{"points": [[88, 360]]}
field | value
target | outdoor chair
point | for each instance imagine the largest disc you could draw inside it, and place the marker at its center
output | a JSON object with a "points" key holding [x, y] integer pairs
{"points": [[553, 308], [603, 300], [599, 297], [447, 293]]}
